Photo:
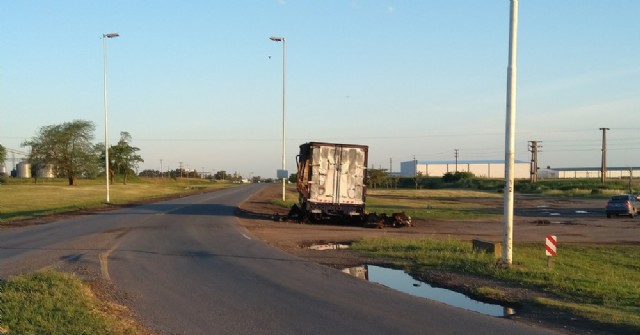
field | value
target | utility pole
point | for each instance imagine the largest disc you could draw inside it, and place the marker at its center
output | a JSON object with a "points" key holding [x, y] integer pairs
{"points": [[415, 170], [603, 168], [391, 178], [534, 148], [160, 167], [456, 155]]}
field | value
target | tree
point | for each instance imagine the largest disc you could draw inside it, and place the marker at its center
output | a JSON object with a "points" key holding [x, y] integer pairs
{"points": [[457, 176], [68, 147], [3, 153], [418, 179], [124, 157], [220, 175], [3, 157], [149, 173], [377, 177]]}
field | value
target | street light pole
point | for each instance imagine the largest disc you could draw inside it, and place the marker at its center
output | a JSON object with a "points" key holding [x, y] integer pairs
{"points": [[282, 39], [106, 109], [509, 157]]}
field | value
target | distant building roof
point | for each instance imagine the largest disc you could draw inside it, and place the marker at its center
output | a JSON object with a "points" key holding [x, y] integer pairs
{"points": [[484, 161]]}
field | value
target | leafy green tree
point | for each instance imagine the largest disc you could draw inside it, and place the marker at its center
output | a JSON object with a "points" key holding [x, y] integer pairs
{"points": [[68, 147], [149, 173], [236, 177], [377, 177], [3, 157], [392, 181], [293, 178], [124, 157], [418, 179], [3, 154], [220, 175], [457, 176]]}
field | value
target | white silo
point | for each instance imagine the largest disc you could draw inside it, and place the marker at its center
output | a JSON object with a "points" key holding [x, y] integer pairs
{"points": [[46, 171], [23, 170]]}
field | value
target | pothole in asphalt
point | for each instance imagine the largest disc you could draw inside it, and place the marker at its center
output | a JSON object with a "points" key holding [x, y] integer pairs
{"points": [[403, 282]]}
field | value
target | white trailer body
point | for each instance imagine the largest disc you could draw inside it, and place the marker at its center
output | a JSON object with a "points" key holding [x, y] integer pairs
{"points": [[332, 178]]}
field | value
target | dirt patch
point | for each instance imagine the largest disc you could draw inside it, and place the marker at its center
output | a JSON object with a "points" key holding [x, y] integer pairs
{"points": [[573, 221]]}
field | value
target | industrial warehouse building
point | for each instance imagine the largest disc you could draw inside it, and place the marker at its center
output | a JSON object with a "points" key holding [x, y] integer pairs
{"points": [[594, 172], [479, 168], [522, 170]]}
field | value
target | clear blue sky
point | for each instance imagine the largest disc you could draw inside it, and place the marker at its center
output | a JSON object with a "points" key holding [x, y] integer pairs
{"points": [[200, 82]]}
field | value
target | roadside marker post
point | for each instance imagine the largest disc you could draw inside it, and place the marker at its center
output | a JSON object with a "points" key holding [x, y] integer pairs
{"points": [[550, 246]]}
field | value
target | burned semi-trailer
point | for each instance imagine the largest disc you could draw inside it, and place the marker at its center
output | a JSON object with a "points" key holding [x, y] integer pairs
{"points": [[332, 182]]}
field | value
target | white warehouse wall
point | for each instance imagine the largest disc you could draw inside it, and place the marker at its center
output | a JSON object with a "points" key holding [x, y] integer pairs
{"points": [[482, 169]]}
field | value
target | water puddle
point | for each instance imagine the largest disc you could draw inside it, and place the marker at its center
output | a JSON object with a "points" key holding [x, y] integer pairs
{"points": [[403, 282], [328, 246]]}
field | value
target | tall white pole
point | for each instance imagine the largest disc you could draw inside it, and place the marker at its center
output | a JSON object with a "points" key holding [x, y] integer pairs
{"points": [[106, 110], [510, 137], [284, 178]]}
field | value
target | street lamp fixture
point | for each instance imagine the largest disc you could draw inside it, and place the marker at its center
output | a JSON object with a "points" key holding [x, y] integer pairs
{"points": [[283, 171], [106, 109]]}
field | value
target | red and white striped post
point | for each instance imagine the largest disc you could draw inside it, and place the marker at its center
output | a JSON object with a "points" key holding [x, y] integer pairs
{"points": [[550, 246]]}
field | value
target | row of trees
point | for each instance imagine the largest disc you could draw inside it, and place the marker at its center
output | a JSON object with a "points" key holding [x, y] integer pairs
{"points": [[182, 173], [69, 149], [382, 178]]}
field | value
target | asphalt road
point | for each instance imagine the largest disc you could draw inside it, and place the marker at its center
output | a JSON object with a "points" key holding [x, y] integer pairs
{"points": [[189, 268]]}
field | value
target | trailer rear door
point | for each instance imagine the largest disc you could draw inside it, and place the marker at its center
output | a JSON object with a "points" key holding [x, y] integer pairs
{"points": [[338, 174]]}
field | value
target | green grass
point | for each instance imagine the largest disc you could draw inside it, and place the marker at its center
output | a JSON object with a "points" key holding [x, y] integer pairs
{"points": [[433, 204], [54, 303], [421, 204], [24, 199], [291, 198], [599, 282]]}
